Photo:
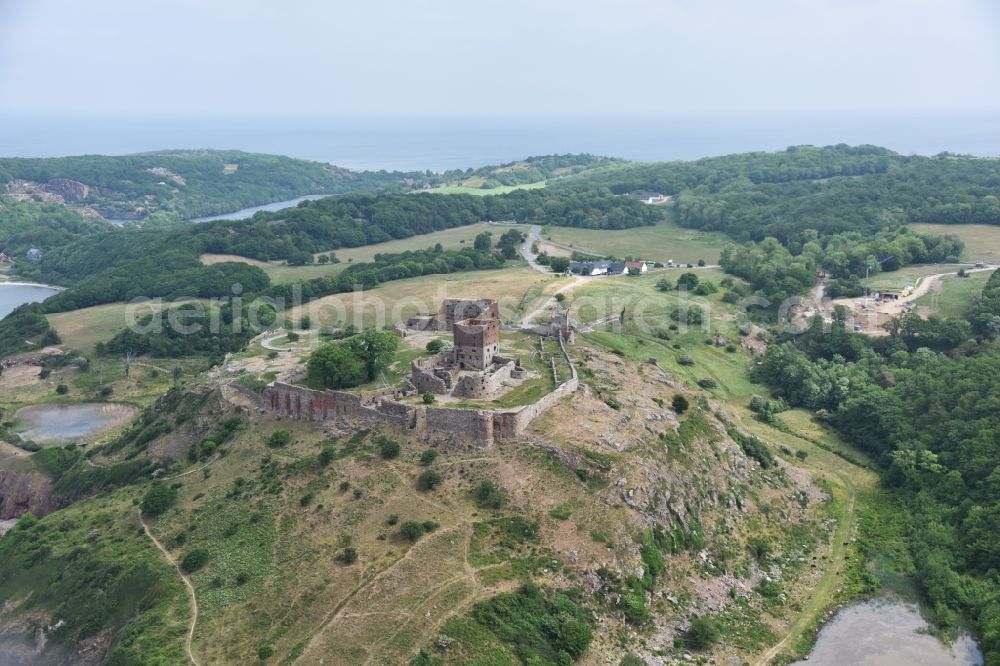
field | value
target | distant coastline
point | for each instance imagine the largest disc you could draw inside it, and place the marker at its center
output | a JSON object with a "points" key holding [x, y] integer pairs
{"points": [[440, 143]]}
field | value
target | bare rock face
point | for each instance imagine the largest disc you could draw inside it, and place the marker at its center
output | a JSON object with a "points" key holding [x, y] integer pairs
{"points": [[69, 190], [21, 492]]}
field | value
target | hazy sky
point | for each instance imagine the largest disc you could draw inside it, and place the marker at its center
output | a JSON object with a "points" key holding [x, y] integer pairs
{"points": [[312, 57]]}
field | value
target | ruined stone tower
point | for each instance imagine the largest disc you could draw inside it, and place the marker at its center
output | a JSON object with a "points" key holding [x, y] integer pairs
{"points": [[477, 341]]}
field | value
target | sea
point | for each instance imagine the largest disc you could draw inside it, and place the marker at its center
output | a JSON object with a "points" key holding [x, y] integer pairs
{"points": [[439, 143]]}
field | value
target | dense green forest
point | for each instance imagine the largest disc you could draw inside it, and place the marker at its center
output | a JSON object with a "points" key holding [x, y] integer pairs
{"points": [[191, 183], [179, 185], [25, 225], [164, 262], [924, 402]]}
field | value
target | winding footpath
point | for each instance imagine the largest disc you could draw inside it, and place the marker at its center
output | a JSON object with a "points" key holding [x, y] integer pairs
{"points": [[187, 583]]}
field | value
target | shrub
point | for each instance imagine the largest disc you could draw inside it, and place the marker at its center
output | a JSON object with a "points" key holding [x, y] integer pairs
{"points": [[194, 559], [679, 403], [632, 660], [388, 448], [265, 652], [326, 455], [707, 383], [392, 519], [411, 530], [428, 398], [434, 346], [702, 634], [428, 457], [62, 389], [347, 556], [685, 360], [158, 499], [428, 480], [279, 438], [489, 496]]}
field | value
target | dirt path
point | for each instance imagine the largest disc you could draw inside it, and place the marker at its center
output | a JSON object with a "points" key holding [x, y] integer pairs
{"points": [[549, 302], [187, 583]]}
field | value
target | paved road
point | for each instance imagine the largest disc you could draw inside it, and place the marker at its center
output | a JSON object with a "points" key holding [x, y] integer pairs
{"points": [[534, 236]]}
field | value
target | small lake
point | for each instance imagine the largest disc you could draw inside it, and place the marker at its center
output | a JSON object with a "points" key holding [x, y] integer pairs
{"points": [[886, 632], [271, 207], [61, 423], [13, 294]]}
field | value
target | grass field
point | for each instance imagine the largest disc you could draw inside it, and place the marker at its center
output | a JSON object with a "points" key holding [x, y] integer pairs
{"points": [[82, 329], [908, 275], [450, 239], [664, 241], [470, 187], [982, 241], [398, 300], [953, 295]]}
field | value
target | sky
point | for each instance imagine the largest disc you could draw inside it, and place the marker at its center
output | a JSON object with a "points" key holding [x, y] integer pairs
{"points": [[516, 57]]}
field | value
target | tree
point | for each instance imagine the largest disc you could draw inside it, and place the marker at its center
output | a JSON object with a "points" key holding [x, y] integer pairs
{"points": [[663, 284], [559, 264], [489, 496], [279, 438], [158, 499], [428, 480], [701, 262], [428, 457], [411, 530], [434, 346], [679, 403], [388, 449], [428, 398], [335, 366], [195, 559], [687, 282], [375, 349], [483, 242]]}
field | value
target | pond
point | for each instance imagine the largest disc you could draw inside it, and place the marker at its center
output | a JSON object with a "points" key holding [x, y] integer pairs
{"points": [[886, 632], [13, 294], [62, 423]]}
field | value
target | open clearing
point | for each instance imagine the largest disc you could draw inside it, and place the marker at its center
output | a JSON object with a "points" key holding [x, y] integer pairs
{"points": [[450, 239], [951, 296], [982, 241], [470, 187], [82, 329], [661, 242], [398, 300]]}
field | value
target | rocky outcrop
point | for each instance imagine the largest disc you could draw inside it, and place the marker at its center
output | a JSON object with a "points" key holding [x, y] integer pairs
{"points": [[21, 492]]}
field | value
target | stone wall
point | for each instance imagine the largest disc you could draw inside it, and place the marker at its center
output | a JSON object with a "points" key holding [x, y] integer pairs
{"points": [[486, 383], [459, 426], [453, 310], [462, 427], [431, 374]]}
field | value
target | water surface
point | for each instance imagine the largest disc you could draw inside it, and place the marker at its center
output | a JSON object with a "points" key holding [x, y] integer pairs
{"points": [[59, 423], [886, 632], [248, 212], [13, 294]]}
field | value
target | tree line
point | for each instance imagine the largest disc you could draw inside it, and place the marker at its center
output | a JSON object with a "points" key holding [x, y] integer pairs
{"points": [[923, 402]]}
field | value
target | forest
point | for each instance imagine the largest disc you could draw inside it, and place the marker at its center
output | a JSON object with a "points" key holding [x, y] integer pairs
{"points": [[923, 402], [191, 183]]}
